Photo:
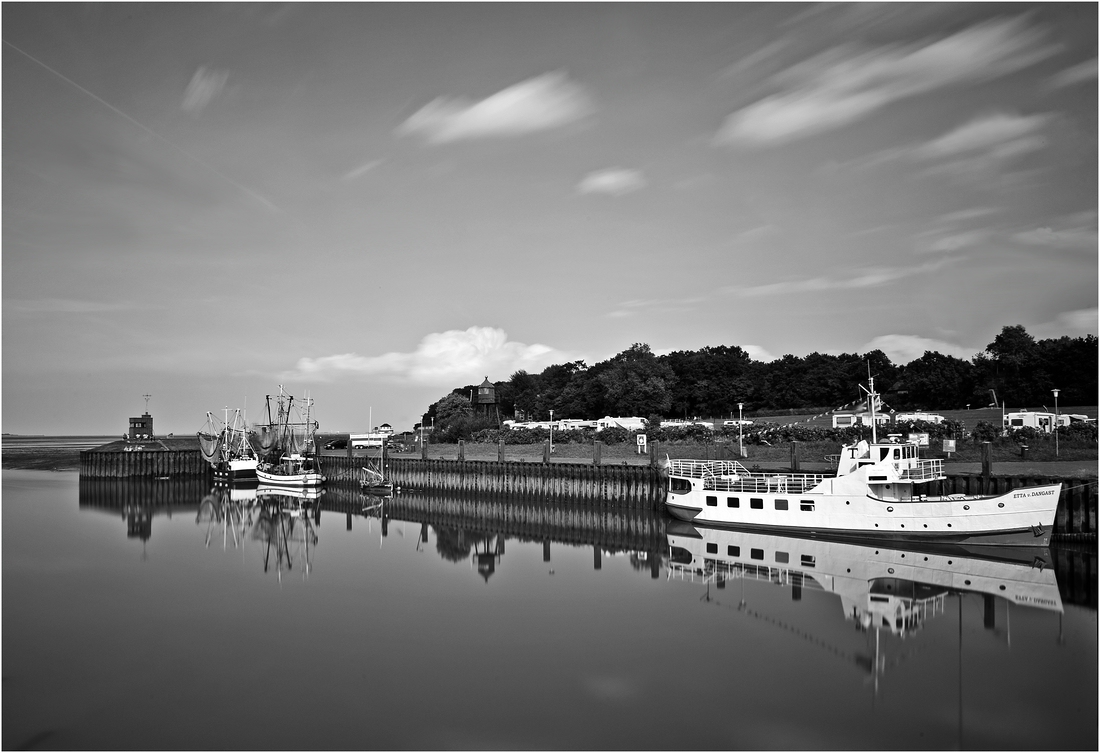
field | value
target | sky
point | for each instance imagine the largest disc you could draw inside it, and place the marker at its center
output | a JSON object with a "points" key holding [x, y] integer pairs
{"points": [[372, 204]]}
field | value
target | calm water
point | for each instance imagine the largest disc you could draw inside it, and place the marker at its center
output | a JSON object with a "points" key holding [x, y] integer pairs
{"points": [[146, 616]]}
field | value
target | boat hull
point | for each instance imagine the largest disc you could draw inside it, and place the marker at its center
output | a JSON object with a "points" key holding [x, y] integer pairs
{"points": [[1021, 517], [308, 479]]}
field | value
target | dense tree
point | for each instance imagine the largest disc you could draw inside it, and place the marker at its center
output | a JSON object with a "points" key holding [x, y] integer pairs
{"points": [[711, 382]]}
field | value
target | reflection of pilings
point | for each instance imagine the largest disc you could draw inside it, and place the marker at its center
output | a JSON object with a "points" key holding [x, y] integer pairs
{"points": [[1075, 568], [607, 529], [120, 493]]}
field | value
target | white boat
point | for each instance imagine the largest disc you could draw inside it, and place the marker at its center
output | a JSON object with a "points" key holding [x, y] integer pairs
{"points": [[372, 477], [880, 490], [226, 446], [289, 444]]}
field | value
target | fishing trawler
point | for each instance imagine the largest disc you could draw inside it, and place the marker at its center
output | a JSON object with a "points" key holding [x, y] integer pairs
{"points": [[880, 490], [287, 441], [226, 446]]}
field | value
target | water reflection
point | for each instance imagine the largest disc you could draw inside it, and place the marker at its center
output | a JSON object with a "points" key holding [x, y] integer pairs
{"points": [[881, 590]]}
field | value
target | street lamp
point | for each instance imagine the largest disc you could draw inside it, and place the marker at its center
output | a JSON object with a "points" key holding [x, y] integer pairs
{"points": [[740, 431], [551, 431], [1055, 422]]}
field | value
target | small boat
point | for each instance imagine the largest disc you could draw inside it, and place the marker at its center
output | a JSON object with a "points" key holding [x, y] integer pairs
{"points": [[880, 490], [372, 477], [288, 442], [226, 446]]}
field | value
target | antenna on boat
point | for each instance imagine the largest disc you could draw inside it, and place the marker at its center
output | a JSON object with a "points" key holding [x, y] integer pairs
{"points": [[146, 402]]}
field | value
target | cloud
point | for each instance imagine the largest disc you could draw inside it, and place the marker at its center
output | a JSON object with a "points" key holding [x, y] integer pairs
{"points": [[442, 359], [64, 306], [959, 241], [615, 181], [537, 104], [868, 278], [905, 348], [842, 85], [1075, 232], [1077, 74], [204, 86], [362, 169], [757, 353], [1069, 323], [998, 131]]}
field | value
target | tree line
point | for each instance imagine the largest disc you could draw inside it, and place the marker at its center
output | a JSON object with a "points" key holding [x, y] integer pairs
{"points": [[1015, 370]]}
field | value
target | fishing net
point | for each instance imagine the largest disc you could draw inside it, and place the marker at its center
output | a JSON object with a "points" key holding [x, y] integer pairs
{"points": [[210, 445]]}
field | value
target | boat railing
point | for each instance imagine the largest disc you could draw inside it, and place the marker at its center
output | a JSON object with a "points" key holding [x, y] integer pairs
{"points": [[924, 470], [731, 476]]}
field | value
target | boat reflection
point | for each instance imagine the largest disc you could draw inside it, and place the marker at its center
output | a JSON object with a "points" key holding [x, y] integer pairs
{"points": [[286, 527], [231, 508], [881, 589]]}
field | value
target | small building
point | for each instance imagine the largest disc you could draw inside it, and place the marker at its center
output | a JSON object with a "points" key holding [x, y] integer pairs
{"points": [[485, 402], [141, 427]]}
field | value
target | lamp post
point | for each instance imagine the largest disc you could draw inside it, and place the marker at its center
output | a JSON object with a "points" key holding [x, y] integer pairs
{"points": [[1055, 422], [740, 432], [551, 432]]}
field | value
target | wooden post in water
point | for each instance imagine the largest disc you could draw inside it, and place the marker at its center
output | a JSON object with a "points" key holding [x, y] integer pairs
{"points": [[654, 451], [597, 451], [461, 450], [794, 456], [423, 448], [546, 451], [500, 450], [987, 460]]}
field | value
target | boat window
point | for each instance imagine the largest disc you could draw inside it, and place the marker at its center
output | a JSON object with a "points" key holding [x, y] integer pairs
{"points": [[679, 484], [780, 504], [756, 554], [679, 556], [883, 452], [806, 505], [712, 501], [733, 502], [733, 551], [897, 453], [808, 560], [782, 558], [712, 548], [756, 503]]}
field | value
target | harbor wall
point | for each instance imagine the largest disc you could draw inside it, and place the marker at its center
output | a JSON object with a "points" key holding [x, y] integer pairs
{"points": [[611, 486]]}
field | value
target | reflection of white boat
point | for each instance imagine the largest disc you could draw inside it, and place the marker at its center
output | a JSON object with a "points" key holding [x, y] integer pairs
{"points": [[269, 493], [288, 441], [227, 448], [879, 491], [878, 586]]}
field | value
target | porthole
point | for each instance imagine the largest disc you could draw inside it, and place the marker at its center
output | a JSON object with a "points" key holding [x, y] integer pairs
{"points": [[849, 569], [966, 582], [889, 509], [926, 525], [847, 503], [948, 525], [903, 525], [966, 507], [1001, 587], [950, 562], [925, 559], [1000, 504], [876, 525], [890, 570], [903, 556]]}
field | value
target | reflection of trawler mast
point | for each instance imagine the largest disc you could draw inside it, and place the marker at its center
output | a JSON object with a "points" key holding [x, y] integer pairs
{"points": [[878, 587], [285, 528]]}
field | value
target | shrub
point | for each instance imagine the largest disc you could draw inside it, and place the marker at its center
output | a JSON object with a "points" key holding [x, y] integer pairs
{"points": [[984, 431]]}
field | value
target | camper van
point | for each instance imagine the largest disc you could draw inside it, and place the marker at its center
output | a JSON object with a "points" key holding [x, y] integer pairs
{"points": [[370, 439], [1040, 420], [631, 423], [932, 418]]}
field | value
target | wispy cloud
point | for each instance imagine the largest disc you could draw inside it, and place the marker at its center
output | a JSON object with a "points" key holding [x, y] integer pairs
{"points": [[1075, 232], [1072, 323], [64, 306], [615, 181], [864, 278], [441, 359], [362, 169], [843, 85], [1077, 74], [905, 348], [537, 104], [997, 131], [205, 85]]}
